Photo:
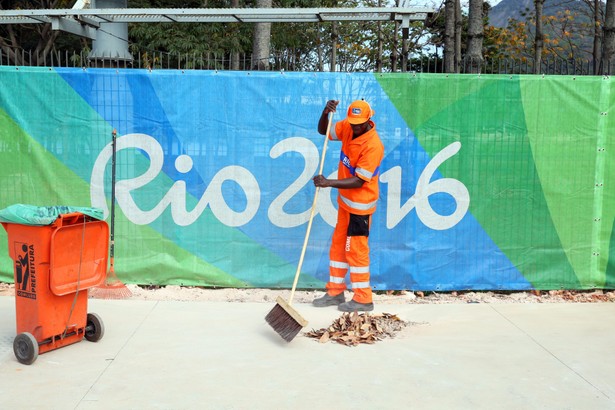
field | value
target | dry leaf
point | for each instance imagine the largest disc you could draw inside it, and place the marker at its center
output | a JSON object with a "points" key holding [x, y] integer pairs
{"points": [[352, 329]]}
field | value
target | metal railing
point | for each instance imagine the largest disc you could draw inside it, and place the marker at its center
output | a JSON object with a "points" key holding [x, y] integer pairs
{"points": [[281, 62], [548, 66]]}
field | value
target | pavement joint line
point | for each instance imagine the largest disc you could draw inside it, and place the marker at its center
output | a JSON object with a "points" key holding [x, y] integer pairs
{"points": [[110, 361], [550, 353]]}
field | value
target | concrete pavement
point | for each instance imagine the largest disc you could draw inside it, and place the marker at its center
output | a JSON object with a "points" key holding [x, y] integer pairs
{"points": [[220, 355]]}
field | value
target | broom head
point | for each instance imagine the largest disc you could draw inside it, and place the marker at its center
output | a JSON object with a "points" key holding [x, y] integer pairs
{"points": [[111, 288], [285, 320], [114, 290]]}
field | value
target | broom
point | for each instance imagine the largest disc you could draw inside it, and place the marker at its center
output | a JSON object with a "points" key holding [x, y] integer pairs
{"points": [[285, 320], [112, 287]]}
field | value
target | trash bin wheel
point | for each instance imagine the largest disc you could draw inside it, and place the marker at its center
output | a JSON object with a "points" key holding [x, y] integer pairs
{"points": [[94, 329], [25, 347]]}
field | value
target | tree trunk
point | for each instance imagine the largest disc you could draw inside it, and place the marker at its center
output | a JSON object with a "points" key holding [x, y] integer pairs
{"points": [[539, 40], [458, 29], [10, 45], [235, 54], [262, 40], [449, 36], [395, 45], [608, 47], [597, 49], [46, 37], [405, 34], [379, 56], [320, 58], [474, 50], [380, 40], [394, 54], [334, 37]]}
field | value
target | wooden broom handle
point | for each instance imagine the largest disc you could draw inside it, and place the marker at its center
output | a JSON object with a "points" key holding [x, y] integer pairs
{"points": [[309, 227]]}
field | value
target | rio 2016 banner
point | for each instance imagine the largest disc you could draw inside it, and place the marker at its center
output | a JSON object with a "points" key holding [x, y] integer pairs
{"points": [[492, 182]]}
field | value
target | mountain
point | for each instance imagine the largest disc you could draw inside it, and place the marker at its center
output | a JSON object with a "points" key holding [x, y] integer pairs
{"points": [[507, 9], [514, 9]]}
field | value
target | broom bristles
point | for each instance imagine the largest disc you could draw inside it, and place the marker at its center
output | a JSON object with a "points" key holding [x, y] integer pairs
{"points": [[285, 320]]}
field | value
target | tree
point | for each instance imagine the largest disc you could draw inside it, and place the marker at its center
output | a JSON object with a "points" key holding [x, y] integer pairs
{"points": [[539, 37], [261, 43], [36, 41], [474, 50], [550, 33], [394, 44], [449, 36], [597, 46], [380, 41], [235, 64], [596, 9], [191, 45], [458, 35], [608, 51]]}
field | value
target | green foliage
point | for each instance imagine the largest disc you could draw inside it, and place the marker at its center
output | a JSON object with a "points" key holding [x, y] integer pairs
{"points": [[193, 40]]}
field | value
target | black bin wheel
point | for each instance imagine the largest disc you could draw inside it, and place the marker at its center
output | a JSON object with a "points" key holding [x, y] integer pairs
{"points": [[94, 328], [25, 348]]}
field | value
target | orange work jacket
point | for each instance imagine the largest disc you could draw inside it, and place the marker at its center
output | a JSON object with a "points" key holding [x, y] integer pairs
{"points": [[359, 157]]}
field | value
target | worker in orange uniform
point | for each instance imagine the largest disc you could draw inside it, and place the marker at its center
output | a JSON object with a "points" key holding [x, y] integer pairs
{"points": [[357, 184]]}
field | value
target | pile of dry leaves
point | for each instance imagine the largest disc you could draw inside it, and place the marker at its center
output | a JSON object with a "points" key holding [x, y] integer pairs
{"points": [[352, 329]]}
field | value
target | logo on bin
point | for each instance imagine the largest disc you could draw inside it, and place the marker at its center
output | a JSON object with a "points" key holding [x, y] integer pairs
{"points": [[25, 274]]}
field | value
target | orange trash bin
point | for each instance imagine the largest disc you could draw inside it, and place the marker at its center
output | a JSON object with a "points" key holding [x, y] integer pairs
{"points": [[54, 266]]}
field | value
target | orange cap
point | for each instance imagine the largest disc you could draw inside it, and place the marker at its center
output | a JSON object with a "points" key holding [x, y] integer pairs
{"points": [[359, 112]]}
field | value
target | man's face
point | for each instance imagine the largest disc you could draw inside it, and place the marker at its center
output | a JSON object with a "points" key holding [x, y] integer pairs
{"points": [[359, 129]]}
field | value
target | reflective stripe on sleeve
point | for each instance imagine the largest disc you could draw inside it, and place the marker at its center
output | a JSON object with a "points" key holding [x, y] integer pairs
{"points": [[364, 173]]}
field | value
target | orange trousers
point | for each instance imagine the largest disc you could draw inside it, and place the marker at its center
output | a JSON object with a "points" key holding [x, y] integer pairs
{"points": [[350, 253]]}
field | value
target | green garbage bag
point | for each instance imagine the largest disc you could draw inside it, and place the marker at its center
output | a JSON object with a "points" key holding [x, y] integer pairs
{"points": [[43, 215]]}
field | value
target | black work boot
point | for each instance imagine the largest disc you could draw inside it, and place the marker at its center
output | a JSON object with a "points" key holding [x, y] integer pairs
{"points": [[352, 306], [328, 300]]}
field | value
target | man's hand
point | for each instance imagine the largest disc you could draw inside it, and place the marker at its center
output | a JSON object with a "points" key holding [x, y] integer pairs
{"points": [[346, 183], [331, 106], [320, 181]]}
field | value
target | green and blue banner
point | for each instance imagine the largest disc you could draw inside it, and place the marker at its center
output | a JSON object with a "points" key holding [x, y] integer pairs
{"points": [[489, 182]]}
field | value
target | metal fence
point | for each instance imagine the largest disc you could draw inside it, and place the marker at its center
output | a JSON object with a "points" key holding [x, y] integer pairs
{"points": [[548, 66], [282, 62]]}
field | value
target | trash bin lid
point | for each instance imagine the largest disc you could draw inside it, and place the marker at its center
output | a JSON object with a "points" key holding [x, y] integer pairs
{"points": [[78, 258], [43, 215]]}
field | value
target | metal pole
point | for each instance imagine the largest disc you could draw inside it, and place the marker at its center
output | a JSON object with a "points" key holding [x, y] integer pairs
{"points": [[112, 216]]}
